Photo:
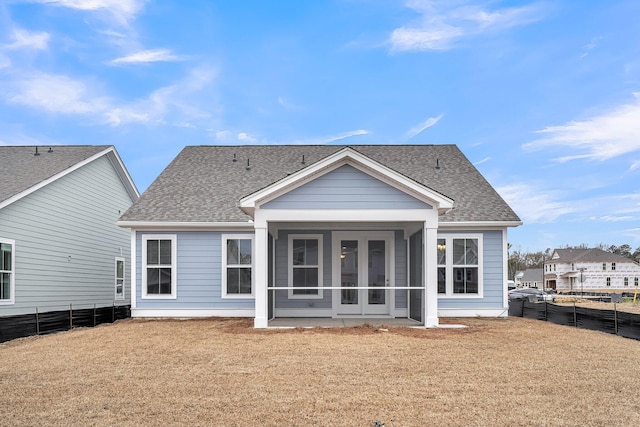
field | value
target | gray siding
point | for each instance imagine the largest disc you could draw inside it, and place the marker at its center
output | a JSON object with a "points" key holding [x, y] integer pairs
{"points": [[67, 241], [346, 188], [199, 281], [492, 276]]}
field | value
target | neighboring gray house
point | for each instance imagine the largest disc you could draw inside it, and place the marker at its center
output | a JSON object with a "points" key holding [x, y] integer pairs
{"points": [[530, 278], [590, 270], [411, 231], [59, 242]]}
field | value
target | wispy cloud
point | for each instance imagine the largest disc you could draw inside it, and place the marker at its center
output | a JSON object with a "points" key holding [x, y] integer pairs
{"points": [[288, 105], [536, 205], [422, 126], [173, 104], [246, 138], [341, 136], [146, 56], [442, 23], [176, 104], [590, 46], [479, 162], [122, 10], [611, 134], [55, 94], [23, 39]]}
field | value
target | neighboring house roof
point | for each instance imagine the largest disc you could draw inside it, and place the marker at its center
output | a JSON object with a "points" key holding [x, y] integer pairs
{"points": [[585, 255], [22, 171], [204, 184], [532, 275]]}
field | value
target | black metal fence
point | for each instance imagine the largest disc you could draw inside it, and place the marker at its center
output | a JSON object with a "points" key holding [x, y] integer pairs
{"points": [[611, 321], [24, 325]]}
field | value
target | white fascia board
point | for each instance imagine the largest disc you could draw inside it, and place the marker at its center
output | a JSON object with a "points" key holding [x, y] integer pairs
{"points": [[55, 177], [158, 225], [485, 225], [350, 215], [123, 173], [361, 162]]}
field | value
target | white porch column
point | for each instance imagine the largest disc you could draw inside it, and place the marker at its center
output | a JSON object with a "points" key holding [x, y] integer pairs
{"points": [[260, 271], [430, 262]]}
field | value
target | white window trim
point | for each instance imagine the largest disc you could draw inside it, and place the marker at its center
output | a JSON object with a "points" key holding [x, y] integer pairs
{"points": [[449, 266], [224, 266], [124, 279], [12, 284], [317, 237], [174, 265]]}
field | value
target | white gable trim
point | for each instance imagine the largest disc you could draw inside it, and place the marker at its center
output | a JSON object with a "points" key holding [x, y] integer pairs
{"points": [[346, 156], [114, 159]]}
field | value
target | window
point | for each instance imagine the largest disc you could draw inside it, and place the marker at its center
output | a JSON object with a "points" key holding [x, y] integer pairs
{"points": [[604, 266], [635, 282], [608, 281], [613, 266], [442, 266], [119, 278], [305, 266], [7, 275], [554, 267], [237, 266], [459, 266], [159, 266], [573, 267], [626, 282]]}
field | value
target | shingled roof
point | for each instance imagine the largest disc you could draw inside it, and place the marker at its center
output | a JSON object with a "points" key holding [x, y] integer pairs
{"points": [[204, 184], [586, 255], [21, 168]]}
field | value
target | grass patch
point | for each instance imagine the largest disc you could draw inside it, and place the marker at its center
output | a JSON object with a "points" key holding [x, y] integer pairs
{"points": [[223, 372]]}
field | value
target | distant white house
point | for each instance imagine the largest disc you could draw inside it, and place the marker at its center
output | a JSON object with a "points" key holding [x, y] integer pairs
{"points": [[589, 270]]}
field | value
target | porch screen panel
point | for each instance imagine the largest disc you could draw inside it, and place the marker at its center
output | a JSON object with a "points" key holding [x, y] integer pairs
{"points": [[349, 271], [415, 277]]}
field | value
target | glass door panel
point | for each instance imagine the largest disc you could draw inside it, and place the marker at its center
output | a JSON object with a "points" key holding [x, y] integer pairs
{"points": [[376, 273]]}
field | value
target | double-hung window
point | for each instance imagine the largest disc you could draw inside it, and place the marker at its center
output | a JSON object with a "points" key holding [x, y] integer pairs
{"points": [[7, 272], [237, 266], [460, 265], [159, 260], [119, 278], [305, 266]]}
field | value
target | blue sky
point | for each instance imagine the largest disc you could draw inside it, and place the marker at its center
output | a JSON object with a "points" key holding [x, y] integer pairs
{"points": [[542, 96]]}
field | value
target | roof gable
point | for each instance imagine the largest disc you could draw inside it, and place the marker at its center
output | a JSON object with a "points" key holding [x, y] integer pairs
{"points": [[352, 158], [345, 187], [24, 169]]}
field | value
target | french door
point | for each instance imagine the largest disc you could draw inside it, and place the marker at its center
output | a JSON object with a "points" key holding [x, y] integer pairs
{"points": [[362, 259]]}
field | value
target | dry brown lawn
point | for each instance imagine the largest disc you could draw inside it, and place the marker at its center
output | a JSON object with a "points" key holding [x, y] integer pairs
{"points": [[221, 372]]}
